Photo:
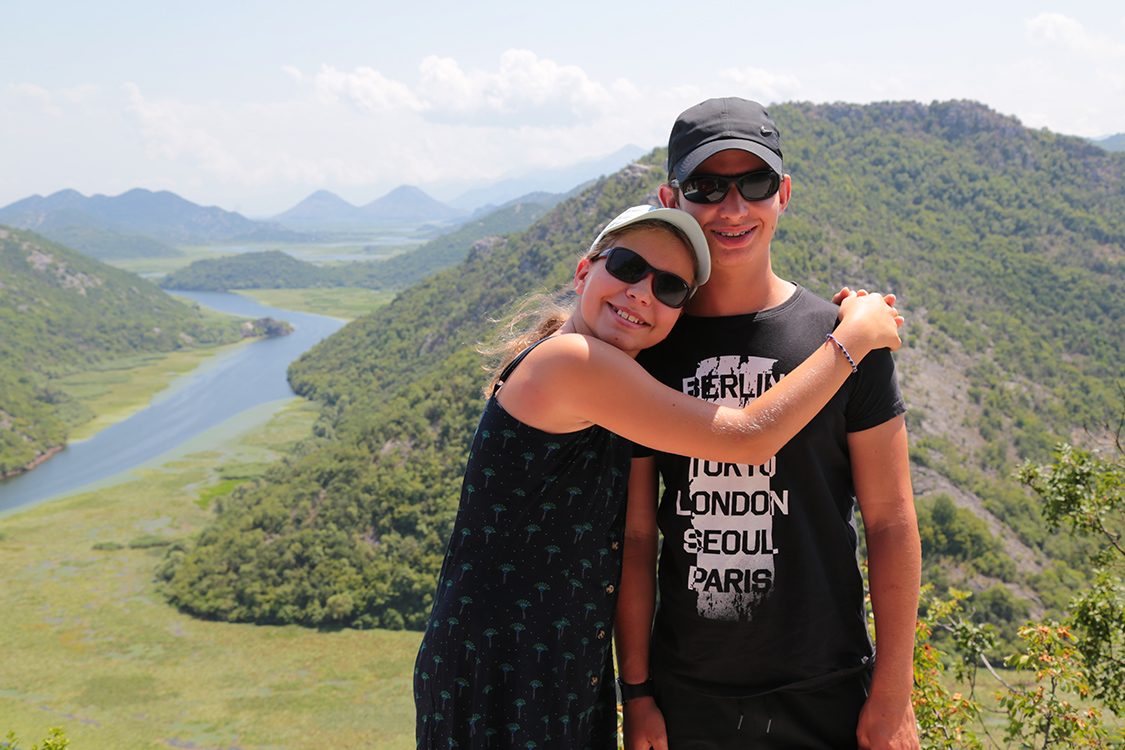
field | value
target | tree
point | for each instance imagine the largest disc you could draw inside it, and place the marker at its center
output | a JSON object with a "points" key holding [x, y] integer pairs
{"points": [[1087, 493], [1072, 661], [56, 740]]}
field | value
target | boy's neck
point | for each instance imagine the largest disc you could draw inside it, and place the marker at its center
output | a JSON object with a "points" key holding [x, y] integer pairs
{"points": [[734, 294]]}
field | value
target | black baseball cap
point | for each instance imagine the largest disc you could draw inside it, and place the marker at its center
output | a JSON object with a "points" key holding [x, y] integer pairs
{"points": [[717, 125]]}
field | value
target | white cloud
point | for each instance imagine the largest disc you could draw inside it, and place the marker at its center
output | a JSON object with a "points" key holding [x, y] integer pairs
{"points": [[444, 82], [1055, 29], [761, 85], [39, 95], [523, 91], [1072, 80], [367, 90], [532, 90], [83, 94], [362, 130], [168, 131]]}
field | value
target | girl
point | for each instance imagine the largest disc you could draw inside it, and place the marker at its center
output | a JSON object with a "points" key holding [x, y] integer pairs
{"points": [[517, 650]]}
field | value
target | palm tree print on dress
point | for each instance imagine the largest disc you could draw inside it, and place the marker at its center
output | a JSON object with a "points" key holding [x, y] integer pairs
{"points": [[516, 617]]}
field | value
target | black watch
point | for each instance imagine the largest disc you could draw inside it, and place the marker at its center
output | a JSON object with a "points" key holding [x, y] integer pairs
{"points": [[627, 692]]}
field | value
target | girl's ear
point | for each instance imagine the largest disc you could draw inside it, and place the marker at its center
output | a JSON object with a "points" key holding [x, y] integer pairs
{"points": [[581, 274]]}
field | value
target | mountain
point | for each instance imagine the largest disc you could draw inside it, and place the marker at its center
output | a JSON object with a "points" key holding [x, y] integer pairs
{"points": [[405, 205], [1005, 246], [63, 312], [1111, 142], [562, 180], [408, 203], [163, 216], [321, 206]]}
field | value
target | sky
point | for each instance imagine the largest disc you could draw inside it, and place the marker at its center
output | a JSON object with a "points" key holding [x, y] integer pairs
{"points": [[252, 106]]}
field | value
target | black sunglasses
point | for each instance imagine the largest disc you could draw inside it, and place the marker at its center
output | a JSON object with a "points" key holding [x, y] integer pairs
{"points": [[628, 266], [712, 188]]}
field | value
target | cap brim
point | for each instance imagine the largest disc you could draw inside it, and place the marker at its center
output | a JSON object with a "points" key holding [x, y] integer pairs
{"points": [[691, 162], [682, 220]]}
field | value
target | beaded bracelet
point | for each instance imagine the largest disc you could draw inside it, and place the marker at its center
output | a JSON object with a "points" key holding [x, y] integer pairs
{"points": [[835, 341]]}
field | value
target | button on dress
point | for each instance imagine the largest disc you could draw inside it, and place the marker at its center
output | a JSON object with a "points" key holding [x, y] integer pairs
{"points": [[517, 649]]}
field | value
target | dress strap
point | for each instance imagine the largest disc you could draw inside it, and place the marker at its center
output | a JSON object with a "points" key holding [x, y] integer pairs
{"points": [[512, 365]]}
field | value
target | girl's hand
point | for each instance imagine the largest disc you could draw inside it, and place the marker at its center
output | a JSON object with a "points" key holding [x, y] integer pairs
{"points": [[842, 295], [867, 322]]}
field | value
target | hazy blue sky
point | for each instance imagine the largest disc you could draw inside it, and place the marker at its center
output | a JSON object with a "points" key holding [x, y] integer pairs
{"points": [[251, 106]]}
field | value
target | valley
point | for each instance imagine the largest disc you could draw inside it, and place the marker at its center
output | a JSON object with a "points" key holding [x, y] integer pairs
{"points": [[313, 529]]}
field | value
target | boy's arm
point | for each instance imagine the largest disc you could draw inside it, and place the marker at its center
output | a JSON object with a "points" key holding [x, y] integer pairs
{"points": [[881, 469], [636, 603]]}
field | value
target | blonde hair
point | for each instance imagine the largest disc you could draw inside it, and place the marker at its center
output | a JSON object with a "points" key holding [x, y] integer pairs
{"points": [[538, 315]]}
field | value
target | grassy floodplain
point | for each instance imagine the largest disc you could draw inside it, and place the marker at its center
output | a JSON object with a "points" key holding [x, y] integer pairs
{"points": [[90, 645], [376, 248], [346, 303], [150, 266]]}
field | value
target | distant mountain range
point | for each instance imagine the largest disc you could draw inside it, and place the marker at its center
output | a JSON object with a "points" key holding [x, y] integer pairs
{"points": [[144, 223], [162, 215], [139, 223], [406, 204], [562, 180]]}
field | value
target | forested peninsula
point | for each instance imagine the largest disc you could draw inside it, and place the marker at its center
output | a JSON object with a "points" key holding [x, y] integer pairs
{"points": [[1003, 243], [63, 312]]}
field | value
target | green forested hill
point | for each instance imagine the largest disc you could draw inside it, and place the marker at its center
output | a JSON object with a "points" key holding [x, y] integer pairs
{"points": [[271, 269], [276, 270], [1005, 245], [61, 311]]}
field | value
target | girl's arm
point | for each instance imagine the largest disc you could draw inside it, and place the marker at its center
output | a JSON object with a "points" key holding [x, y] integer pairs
{"points": [[572, 381]]}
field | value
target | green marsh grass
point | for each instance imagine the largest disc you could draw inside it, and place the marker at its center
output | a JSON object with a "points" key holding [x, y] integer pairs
{"points": [[346, 303], [89, 644]]}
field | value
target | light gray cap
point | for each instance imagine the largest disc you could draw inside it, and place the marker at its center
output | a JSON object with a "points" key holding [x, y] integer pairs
{"points": [[682, 220]]}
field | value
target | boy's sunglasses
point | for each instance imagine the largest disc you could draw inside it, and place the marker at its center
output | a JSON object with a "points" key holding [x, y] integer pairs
{"points": [[626, 265], [712, 188]]}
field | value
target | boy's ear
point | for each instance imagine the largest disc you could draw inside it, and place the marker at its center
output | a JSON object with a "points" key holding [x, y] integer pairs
{"points": [[784, 193], [581, 274], [667, 196]]}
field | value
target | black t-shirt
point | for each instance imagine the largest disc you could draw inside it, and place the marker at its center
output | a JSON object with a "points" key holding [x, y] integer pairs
{"points": [[759, 581]]}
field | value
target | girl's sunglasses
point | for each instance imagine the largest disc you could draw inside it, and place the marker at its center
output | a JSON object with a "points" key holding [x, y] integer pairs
{"points": [[713, 188], [626, 265]]}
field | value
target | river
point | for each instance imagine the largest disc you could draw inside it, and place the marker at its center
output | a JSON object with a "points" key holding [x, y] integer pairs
{"points": [[218, 390]]}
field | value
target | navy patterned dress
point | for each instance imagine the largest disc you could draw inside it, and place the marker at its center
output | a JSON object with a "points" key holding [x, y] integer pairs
{"points": [[517, 650]]}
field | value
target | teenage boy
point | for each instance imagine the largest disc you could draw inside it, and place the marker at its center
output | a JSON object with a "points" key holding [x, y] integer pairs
{"points": [[760, 639]]}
